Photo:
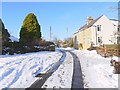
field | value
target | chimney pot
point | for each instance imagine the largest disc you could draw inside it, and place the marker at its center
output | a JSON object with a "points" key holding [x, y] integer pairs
{"points": [[89, 19]]}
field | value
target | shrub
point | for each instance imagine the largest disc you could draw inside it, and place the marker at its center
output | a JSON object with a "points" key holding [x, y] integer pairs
{"points": [[30, 30], [80, 46], [5, 34]]}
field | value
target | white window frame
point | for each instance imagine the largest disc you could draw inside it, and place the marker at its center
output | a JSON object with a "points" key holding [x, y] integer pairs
{"points": [[99, 39], [98, 27]]}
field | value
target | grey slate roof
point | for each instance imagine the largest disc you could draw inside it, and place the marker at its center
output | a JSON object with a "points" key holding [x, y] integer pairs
{"points": [[115, 20], [89, 25]]}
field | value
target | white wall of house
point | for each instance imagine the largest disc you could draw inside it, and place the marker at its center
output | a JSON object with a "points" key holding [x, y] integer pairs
{"points": [[115, 22], [107, 29], [93, 35], [116, 37]]}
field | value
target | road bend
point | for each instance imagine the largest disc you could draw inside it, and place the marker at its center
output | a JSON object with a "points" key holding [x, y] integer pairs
{"points": [[43, 77]]}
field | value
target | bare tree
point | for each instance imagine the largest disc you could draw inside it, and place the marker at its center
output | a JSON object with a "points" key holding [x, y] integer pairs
{"points": [[57, 42], [68, 42]]}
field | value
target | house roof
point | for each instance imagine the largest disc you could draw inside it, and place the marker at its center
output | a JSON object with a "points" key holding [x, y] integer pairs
{"points": [[90, 24], [75, 32], [115, 20]]}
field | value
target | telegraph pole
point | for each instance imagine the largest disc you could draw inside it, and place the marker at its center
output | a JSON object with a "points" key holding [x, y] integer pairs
{"points": [[50, 33]]}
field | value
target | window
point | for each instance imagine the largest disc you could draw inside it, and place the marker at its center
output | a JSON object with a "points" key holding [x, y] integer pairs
{"points": [[98, 27], [88, 40], [84, 41], [118, 38], [118, 29], [99, 39]]}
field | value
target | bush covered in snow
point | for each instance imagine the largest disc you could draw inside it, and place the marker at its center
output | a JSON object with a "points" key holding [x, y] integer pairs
{"points": [[20, 48]]}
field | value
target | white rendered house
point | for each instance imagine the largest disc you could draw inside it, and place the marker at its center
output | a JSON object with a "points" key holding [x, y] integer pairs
{"points": [[97, 31]]}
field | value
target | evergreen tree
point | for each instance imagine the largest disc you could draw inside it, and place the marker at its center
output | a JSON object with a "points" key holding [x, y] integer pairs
{"points": [[30, 31], [0, 30], [4, 33]]}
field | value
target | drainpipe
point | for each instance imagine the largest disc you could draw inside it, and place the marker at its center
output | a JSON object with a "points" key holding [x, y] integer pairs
{"points": [[96, 34]]}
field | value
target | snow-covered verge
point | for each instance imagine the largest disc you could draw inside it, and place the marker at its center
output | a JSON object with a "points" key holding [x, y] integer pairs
{"points": [[97, 72], [62, 78], [68, 48], [18, 71]]}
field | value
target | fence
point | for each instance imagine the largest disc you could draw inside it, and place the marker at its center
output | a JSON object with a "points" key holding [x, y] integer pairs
{"points": [[108, 50]]}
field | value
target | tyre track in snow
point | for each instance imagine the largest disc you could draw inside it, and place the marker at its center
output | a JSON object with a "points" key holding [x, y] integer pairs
{"points": [[77, 80], [12, 68], [9, 65], [43, 77]]}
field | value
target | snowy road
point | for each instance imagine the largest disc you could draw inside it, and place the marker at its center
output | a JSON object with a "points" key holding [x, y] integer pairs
{"points": [[76, 77], [43, 77], [69, 69]]}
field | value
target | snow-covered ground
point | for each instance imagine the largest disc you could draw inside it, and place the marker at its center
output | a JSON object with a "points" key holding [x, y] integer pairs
{"points": [[20, 70], [97, 72], [68, 48], [62, 78]]}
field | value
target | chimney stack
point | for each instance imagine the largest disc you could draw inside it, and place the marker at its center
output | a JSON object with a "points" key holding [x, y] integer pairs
{"points": [[89, 19]]}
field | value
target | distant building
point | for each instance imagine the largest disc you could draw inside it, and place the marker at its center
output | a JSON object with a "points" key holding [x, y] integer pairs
{"points": [[97, 32], [13, 39]]}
